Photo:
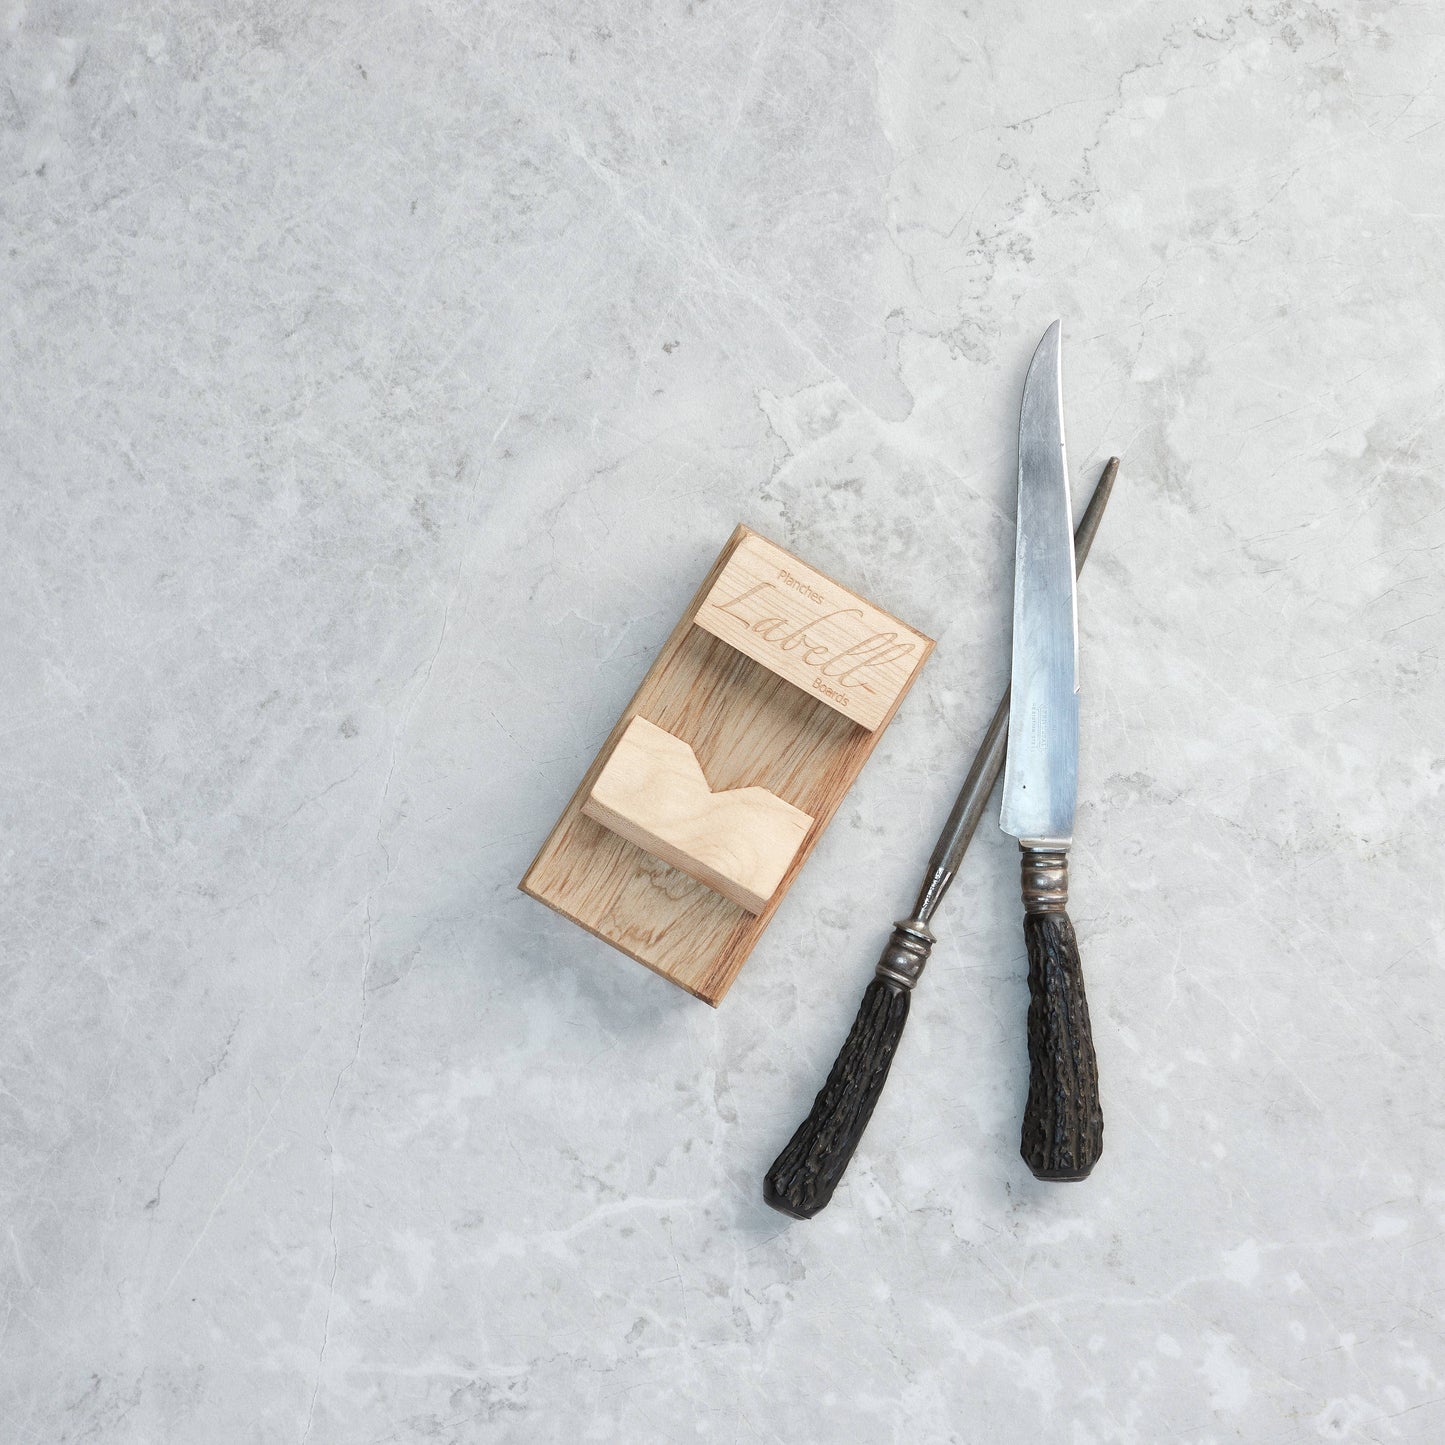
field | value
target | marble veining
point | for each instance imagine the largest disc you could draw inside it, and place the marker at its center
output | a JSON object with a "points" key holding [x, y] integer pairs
{"points": [[378, 382]]}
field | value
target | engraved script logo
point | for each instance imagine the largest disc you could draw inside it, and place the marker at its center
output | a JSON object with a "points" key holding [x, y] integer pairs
{"points": [[837, 669]]}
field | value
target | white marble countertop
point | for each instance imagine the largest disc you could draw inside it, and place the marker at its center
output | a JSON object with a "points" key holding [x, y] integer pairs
{"points": [[379, 382]]}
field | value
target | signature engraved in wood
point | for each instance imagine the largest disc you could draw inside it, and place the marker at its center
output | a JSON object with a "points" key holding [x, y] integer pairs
{"points": [[806, 628], [873, 651]]}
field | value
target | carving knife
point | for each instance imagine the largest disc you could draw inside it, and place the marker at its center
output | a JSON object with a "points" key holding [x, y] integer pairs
{"points": [[1063, 1125], [804, 1176]]}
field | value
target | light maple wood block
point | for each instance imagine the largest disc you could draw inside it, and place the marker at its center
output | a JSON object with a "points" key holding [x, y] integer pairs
{"points": [[652, 791], [832, 643], [748, 727]]}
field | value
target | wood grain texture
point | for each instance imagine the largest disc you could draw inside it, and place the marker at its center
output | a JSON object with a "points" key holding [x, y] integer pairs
{"points": [[830, 642], [749, 727], [652, 791], [1063, 1129]]}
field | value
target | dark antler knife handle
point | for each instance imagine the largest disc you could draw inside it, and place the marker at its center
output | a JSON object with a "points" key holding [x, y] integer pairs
{"points": [[1063, 1133], [805, 1174]]}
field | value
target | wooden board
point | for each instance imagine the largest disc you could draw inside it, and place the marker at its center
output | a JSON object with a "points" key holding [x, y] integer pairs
{"points": [[653, 792], [749, 727], [802, 625]]}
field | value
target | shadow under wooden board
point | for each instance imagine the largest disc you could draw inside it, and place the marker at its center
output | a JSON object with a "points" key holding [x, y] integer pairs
{"points": [[748, 726]]}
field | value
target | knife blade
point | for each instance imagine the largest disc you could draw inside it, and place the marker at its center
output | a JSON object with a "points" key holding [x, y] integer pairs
{"points": [[1040, 777], [810, 1167], [1063, 1124]]}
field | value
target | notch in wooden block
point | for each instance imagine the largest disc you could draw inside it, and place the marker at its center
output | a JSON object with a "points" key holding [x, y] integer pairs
{"points": [[739, 841], [837, 647]]}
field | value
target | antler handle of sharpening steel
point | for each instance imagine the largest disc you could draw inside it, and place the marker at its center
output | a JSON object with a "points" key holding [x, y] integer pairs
{"points": [[805, 1174], [1063, 1130]]}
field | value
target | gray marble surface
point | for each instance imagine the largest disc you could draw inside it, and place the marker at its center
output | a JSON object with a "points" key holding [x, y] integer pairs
{"points": [[378, 383]]}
